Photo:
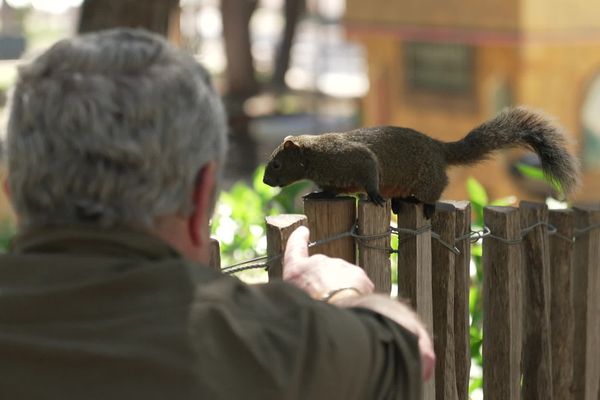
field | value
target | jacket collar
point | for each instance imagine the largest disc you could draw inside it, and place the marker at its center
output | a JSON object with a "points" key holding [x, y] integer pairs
{"points": [[93, 240]]}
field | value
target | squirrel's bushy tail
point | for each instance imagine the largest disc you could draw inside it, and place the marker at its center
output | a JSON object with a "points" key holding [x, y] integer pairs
{"points": [[519, 127]]}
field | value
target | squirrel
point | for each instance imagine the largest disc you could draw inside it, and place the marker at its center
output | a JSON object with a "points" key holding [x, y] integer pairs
{"points": [[402, 163]]}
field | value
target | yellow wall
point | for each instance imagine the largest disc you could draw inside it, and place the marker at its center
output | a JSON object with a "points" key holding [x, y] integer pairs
{"points": [[495, 14], [556, 77], [530, 16], [576, 16]]}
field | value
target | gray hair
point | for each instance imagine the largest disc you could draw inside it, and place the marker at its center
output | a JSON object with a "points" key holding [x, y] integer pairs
{"points": [[110, 128]]}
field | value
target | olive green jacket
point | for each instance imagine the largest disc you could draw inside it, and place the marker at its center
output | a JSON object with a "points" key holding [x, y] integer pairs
{"points": [[92, 314]]}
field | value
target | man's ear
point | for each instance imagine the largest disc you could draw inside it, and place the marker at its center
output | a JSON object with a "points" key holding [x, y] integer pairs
{"points": [[203, 198]]}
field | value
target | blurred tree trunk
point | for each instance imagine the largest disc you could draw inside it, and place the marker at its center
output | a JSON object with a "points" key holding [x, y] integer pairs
{"points": [[293, 11], [236, 14], [11, 20], [241, 84], [12, 35], [159, 16]]}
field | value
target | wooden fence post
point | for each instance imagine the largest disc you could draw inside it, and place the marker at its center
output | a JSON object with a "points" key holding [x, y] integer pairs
{"points": [[215, 255], [414, 269], [561, 303], [537, 358], [586, 290], [279, 229], [442, 280], [328, 218], [462, 286], [373, 255], [502, 304]]}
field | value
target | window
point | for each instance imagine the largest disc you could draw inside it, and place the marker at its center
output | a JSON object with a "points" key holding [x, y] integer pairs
{"points": [[439, 67]]}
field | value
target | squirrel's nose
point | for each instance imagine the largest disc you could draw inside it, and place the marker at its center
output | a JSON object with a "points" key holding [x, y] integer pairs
{"points": [[268, 181]]}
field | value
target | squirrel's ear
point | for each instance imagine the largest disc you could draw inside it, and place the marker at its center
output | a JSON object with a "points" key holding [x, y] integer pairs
{"points": [[289, 143]]}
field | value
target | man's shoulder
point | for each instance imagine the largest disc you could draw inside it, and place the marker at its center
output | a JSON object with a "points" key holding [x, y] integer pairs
{"points": [[263, 299]]}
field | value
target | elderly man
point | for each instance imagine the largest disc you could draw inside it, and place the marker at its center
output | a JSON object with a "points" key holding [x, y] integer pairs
{"points": [[114, 145]]}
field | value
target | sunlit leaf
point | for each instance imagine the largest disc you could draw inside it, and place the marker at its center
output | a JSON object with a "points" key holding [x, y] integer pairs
{"points": [[475, 384], [473, 297], [477, 193], [504, 201], [265, 191], [537, 173], [530, 171]]}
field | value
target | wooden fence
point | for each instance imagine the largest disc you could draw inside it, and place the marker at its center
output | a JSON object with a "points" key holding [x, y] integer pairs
{"points": [[541, 288]]}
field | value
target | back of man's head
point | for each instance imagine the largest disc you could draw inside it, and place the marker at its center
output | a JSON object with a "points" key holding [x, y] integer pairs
{"points": [[110, 128]]}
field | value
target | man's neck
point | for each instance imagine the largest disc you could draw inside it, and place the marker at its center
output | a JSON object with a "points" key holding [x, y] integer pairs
{"points": [[174, 231]]}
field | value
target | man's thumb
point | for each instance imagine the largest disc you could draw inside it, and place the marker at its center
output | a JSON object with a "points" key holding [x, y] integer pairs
{"points": [[297, 245]]}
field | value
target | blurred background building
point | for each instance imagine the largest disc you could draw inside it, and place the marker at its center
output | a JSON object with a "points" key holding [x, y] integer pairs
{"points": [[444, 66], [309, 66]]}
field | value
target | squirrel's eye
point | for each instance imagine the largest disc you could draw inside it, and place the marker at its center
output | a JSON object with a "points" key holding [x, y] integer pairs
{"points": [[276, 164]]}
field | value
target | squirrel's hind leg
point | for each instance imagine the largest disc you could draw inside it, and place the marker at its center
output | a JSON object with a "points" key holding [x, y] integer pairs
{"points": [[428, 210]]}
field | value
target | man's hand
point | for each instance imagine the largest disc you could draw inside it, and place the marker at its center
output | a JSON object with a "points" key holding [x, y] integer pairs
{"points": [[320, 275]]}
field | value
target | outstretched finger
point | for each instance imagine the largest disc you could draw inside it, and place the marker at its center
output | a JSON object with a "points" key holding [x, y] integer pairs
{"points": [[297, 246]]}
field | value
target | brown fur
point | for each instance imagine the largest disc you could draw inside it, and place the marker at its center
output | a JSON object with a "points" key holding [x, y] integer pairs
{"points": [[400, 162]]}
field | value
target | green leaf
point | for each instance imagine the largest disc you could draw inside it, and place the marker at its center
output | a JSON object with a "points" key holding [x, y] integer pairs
{"points": [[394, 258], [475, 384], [7, 232], [531, 171], [265, 191], [477, 193], [536, 173], [240, 212], [504, 201]]}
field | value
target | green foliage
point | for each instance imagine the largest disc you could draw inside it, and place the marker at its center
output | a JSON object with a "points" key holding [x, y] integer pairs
{"points": [[8, 75], [7, 232], [530, 171], [536, 173], [478, 197], [239, 223]]}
